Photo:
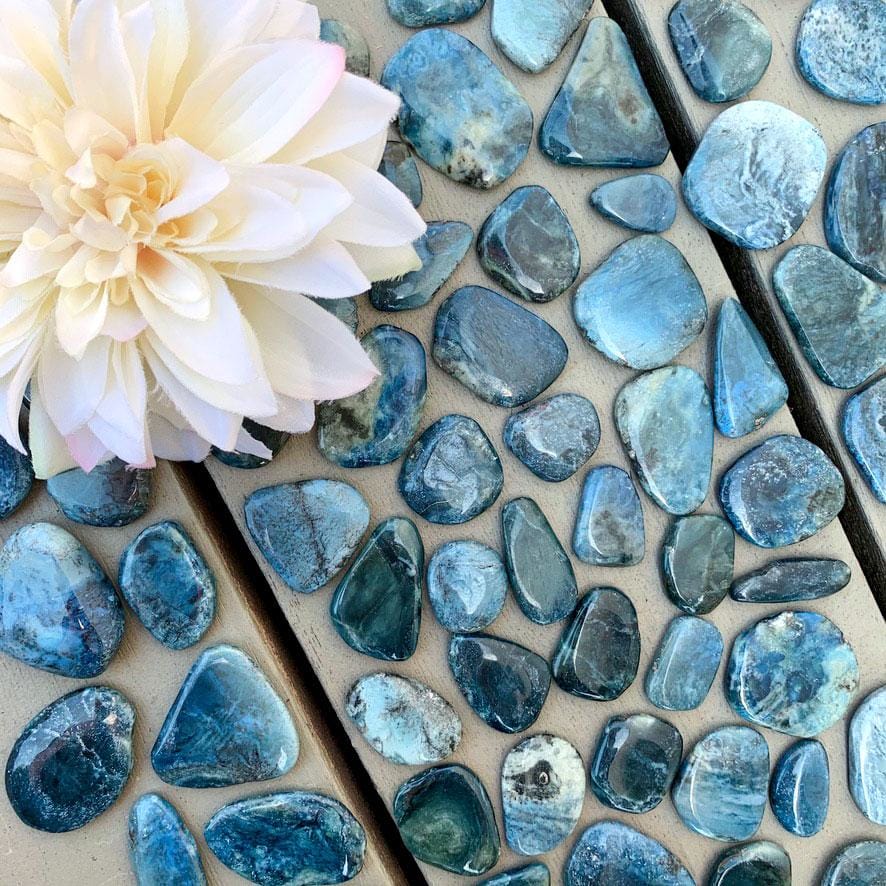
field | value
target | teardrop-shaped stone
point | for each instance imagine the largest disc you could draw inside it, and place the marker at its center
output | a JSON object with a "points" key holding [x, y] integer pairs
{"points": [[792, 580], [644, 202], [756, 864], [697, 560], [398, 166], [532, 875], [161, 848], [72, 761], [376, 608], [111, 494], [271, 439], [859, 864], [800, 788], [351, 40], [226, 726], [867, 756], [864, 430], [421, 13], [16, 479]]}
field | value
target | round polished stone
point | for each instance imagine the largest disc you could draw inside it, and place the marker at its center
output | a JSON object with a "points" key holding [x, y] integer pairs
{"points": [[864, 430], [351, 40], [799, 792], [859, 864], [398, 166], [16, 479], [161, 848], [644, 202], [754, 864], [421, 13], [698, 559], [867, 756], [792, 580], [111, 494]]}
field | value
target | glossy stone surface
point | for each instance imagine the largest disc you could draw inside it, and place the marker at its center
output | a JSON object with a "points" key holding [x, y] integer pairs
{"points": [[799, 792], [452, 473], [273, 440], [755, 864], [505, 683], [792, 580], [643, 305], [376, 608], [755, 174], [837, 314], [748, 386], [441, 249], [720, 791], [532, 875], [609, 529], [398, 166], [793, 672], [635, 762], [345, 309], [226, 726], [351, 40], [58, 610], [697, 561], [542, 790], [420, 13], [528, 245], [162, 850], [404, 720], [603, 115], [109, 495], [864, 430], [72, 761], [539, 569], [644, 202], [502, 352], [446, 819], [782, 491], [166, 581], [375, 426], [462, 116], [723, 48], [16, 479], [685, 664], [859, 864], [308, 530], [665, 421], [867, 756], [599, 651], [294, 838]]}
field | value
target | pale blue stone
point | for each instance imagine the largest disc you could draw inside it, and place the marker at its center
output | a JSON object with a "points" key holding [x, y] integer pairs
{"points": [[351, 40], [755, 864], [161, 848], [398, 166], [792, 580], [535, 874], [16, 479], [644, 202], [420, 13], [800, 789], [698, 557], [272, 439], [864, 430], [859, 864], [867, 756]]}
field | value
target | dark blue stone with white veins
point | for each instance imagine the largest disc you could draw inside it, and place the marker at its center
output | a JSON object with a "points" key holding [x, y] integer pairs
{"points": [[161, 848], [421, 13], [532, 875], [644, 202], [782, 491], [460, 113], [755, 174], [643, 304], [398, 166], [867, 756], [859, 864], [754, 864], [790, 580], [72, 761], [58, 610], [864, 430], [111, 494], [16, 478], [501, 351], [800, 788]]}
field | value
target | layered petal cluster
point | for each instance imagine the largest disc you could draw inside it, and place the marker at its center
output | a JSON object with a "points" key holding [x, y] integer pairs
{"points": [[179, 180]]}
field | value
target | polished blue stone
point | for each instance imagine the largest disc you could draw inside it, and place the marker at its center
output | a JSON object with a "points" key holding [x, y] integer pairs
{"points": [[864, 430], [398, 166], [293, 838], [685, 664], [16, 479], [698, 557], [420, 13], [721, 789], [643, 305], [307, 530], [226, 726], [644, 202], [440, 249], [504, 683], [840, 49], [800, 788], [603, 115], [351, 40], [528, 245], [467, 586], [665, 421], [273, 440], [374, 426], [161, 848], [459, 112], [501, 351], [404, 720], [556, 437], [867, 756], [72, 761], [532, 875], [111, 494], [167, 583], [792, 580], [784, 490], [755, 864], [748, 386], [755, 174], [723, 48], [376, 608], [58, 610], [859, 864], [793, 672]]}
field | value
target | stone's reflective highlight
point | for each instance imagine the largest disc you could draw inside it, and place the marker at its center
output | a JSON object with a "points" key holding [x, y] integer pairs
{"points": [[420, 13], [867, 756], [72, 761], [460, 113], [720, 791], [226, 726], [665, 421], [404, 720], [603, 115], [58, 610], [644, 202], [800, 788], [859, 864], [111, 494], [864, 430], [528, 245], [398, 166], [273, 440], [375, 426], [793, 672], [542, 790], [16, 479], [532, 875], [698, 560], [505, 683], [685, 664], [756, 864], [782, 491], [376, 608], [446, 820], [599, 651], [351, 40], [293, 838], [167, 583], [161, 848], [755, 174], [345, 309], [790, 581], [307, 530]]}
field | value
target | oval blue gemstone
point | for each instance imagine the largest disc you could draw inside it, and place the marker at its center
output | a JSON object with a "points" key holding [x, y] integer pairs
{"points": [[532, 875], [867, 756], [757, 864], [351, 40], [161, 848], [111, 494], [800, 788], [273, 440], [16, 479], [644, 202], [864, 430], [421, 13], [398, 166], [792, 580], [859, 864], [698, 556]]}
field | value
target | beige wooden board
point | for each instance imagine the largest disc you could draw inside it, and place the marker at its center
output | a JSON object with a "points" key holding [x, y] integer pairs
{"points": [[590, 374]]}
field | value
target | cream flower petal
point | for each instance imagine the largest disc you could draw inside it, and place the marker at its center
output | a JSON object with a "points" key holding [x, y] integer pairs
{"points": [[49, 450], [25, 97], [124, 322], [87, 450], [384, 264], [12, 391], [201, 180], [27, 264], [176, 282], [32, 27], [80, 316], [293, 416], [248, 445], [168, 53], [175, 442]]}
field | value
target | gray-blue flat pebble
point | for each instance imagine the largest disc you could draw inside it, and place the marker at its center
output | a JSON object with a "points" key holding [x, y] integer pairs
{"points": [[800, 788], [867, 756], [398, 166], [421, 13], [16, 479], [644, 202], [864, 430], [111, 494], [859, 864]]}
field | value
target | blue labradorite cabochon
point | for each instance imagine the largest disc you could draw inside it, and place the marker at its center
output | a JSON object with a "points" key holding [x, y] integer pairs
{"points": [[161, 848], [867, 756], [398, 166], [800, 788], [791, 580], [859, 864], [864, 430], [532, 875], [421, 13], [16, 479], [762, 863], [644, 202]]}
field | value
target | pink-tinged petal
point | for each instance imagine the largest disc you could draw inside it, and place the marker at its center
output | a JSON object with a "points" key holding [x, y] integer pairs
{"points": [[175, 443], [201, 179], [12, 391], [248, 445], [384, 264], [49, 451], [174, 281], [86, 449], [293, 416], [80, 315]]}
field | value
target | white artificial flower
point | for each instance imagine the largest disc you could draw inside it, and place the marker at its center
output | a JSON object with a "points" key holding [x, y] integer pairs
{"points": [[178, 180]]}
